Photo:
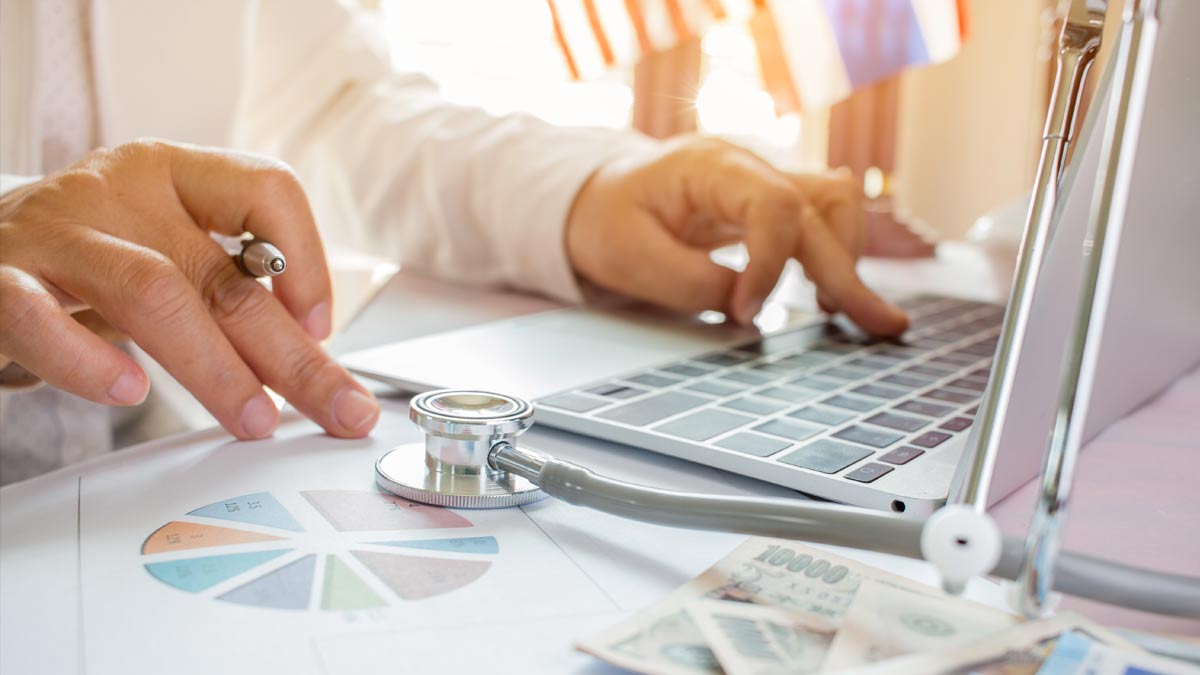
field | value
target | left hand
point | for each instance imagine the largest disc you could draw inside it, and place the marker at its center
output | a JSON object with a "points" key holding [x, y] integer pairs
{"points": [[644, 227]]}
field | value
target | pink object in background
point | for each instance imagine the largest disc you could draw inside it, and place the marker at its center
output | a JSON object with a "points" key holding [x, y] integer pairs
{"points": [[1135, 500]]}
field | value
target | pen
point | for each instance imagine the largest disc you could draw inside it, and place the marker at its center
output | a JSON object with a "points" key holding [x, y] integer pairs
{"points": [[260, 258]]}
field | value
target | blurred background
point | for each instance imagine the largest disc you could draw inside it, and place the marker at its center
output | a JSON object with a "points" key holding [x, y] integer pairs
{"points": [[938, 143]]}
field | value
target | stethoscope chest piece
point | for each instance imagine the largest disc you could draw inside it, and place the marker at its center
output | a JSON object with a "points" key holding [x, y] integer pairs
{"points": [[451, 468]]}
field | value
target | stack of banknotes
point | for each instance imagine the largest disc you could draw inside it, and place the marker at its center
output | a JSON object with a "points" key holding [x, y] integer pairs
{"points": [[775, 607]]}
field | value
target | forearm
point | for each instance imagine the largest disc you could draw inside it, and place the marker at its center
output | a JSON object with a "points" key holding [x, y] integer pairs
{"points": [[393, 169], [451, 190]]}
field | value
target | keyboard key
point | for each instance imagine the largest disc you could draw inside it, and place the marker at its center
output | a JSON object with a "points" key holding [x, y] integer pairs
{"points": [[869, 472], [841, 373], [685, 370], [746, 377], [804, 360], [982, 324], [951, 396], [925, 408], [787, 429], [826, 456], [876, 438], [725, 359], [958, 333], [703, 425], [652, 380], [757, 406], [968, 383], [879, 391], [956, 424], [870, 364], [902, 353], [816, 383], [851, 403], [910, 381], [971, 411], [980, 373], [884, 356], [981, 348], [901, 455], [927, 343], [932, 370], [615, 391], [898, 422], [752, 444], [821, 415], [653, 409], [573, 402], [833, 348], [954, 360], [930, 439], [789, 394], [714, 387], [771, 369]]}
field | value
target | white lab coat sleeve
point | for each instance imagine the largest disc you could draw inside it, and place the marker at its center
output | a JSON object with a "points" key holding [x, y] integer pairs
{"points": [[10, 182], [394, 170]]}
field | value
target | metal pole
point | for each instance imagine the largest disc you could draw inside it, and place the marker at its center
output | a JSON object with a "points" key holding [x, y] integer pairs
{"points": [[1139, 27], [1078, 45]]}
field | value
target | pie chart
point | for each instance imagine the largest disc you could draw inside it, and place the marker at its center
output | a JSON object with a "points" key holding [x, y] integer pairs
{"points": [[372, 550]]}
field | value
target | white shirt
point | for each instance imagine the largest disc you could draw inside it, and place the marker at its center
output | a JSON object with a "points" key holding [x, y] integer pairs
{"points": [[389, 167]]}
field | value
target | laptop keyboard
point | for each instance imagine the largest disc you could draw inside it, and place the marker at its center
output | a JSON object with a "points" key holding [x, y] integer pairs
{"points": [[823, 399]]}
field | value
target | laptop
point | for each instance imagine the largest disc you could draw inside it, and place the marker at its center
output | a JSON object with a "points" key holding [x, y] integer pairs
{"points": [[818, 406]]}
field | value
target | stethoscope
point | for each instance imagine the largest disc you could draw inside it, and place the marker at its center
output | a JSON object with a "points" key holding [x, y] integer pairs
{"points": [[471, 460]]}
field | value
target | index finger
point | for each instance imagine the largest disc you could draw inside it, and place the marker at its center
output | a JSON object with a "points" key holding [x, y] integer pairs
{"points": [[232, 193]]}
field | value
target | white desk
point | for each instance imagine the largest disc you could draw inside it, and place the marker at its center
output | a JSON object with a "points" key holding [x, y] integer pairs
{"points": [[75, 595]]}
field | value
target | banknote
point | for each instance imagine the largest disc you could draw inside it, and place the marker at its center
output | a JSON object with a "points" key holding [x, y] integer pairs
{"points": [[663, 639], [1020, 650], [1076, 653], [752, 639], [885, 622]]}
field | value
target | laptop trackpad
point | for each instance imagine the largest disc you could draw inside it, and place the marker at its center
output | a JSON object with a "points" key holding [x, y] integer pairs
{"points": [[541, 354]]}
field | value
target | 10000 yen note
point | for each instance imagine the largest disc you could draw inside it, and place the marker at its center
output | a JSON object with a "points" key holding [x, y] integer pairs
{"points": [[1020, 650], [885, 622], [795, 577], [762, 640]]}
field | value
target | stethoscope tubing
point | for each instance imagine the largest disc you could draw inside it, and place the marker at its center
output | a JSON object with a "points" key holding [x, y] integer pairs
{"points": [[836, 525]]}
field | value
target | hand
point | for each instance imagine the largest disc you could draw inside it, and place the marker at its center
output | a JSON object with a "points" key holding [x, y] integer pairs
{"points": [[125, 233], [644, 227]]}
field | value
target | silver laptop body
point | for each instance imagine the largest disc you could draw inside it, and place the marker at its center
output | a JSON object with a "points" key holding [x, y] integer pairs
{"points": [[818, 407]]}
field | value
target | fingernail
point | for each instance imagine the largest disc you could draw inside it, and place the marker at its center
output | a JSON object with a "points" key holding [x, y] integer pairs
{"points": [[319, 322], [129, 389], [749, 311], [259, 417], [353, 409]]}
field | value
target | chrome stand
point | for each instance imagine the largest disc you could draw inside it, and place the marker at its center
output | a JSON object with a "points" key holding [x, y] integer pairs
{"points": [[1078, 45], [1139, 27]]}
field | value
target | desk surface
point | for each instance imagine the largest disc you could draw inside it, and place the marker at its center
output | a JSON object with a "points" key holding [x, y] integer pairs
{"points": [[76, 596]]}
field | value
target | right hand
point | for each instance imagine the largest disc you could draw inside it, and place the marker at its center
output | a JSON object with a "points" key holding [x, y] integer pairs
{"points": [[125, 232], [645, 225]]}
